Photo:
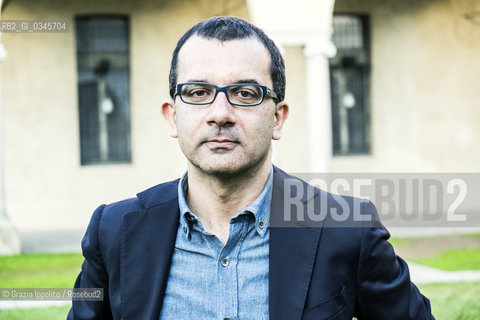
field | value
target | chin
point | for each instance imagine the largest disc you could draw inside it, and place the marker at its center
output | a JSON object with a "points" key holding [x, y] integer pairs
{"points": [[228, 164], [226, 168]]}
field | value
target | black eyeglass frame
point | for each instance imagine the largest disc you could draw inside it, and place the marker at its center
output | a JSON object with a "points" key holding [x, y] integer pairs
{"points": [[265, 92]]}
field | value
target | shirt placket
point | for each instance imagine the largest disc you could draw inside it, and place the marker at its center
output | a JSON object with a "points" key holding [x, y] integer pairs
{"points": [[227, 273]]}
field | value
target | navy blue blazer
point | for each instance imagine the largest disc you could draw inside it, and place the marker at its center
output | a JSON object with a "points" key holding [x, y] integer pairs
{"points": [[316, 272]]}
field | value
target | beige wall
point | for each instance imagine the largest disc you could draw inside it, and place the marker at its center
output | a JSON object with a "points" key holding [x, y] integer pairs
{"points": [[46, 187], [292, 149], [424, 99], [425, 92]]}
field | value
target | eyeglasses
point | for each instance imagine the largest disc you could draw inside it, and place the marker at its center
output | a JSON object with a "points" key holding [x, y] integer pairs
{"points": [[238, 94]]}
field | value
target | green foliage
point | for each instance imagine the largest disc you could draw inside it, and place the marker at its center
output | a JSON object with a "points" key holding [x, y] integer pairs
{"points": [[454, 301], [455, 259], [40, 270]]}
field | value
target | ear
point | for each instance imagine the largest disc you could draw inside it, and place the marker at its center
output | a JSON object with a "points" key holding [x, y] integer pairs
{"points": [[281, 115], [170, 114]]}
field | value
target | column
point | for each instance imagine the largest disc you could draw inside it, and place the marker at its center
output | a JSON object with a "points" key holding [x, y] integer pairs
{"points": [[9, 239], [307, 23], [317, 50]]}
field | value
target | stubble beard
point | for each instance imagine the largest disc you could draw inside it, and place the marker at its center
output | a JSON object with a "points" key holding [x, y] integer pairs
{"points": [[243, 165]]}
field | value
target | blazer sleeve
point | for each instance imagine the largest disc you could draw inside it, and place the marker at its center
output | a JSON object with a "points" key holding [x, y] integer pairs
{"points": [[92, 275], [384, 287]]}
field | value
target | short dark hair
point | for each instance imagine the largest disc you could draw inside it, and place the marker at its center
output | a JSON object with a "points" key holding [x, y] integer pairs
{"points": [[232, 28]]}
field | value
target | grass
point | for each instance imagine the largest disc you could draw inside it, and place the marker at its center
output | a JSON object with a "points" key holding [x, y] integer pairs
{"points": [[455, 259], [454, 301], [451, 253], [40, 270], [402, 242], [450, 301], [405, 242], [50, 313]]}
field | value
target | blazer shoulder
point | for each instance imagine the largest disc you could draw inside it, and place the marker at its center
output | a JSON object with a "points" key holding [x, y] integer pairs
{"points": [[106, 223], [159, 194], [110, 216], [151, 197]]}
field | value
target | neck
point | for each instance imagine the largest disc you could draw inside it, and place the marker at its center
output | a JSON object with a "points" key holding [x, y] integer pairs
{"points": [[215, 199]]}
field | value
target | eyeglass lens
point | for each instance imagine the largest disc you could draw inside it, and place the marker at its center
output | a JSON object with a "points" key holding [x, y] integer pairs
{"points": [[205, 93]]}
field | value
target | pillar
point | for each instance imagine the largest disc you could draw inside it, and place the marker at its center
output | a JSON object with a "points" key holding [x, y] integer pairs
{"points": [[9, 239]]}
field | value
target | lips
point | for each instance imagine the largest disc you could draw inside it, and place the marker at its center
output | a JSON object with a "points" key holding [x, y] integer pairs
{"points": [[221, 143]]}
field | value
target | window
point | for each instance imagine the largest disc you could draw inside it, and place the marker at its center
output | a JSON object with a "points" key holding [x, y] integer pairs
{"points": [[350, 85], [103, 89]]}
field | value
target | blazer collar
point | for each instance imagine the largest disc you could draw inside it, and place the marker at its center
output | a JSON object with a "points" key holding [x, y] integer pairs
{"points": [[292, 255]]}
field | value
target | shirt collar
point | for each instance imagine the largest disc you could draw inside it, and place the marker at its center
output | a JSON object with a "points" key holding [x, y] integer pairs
{"points": [[260, 207]]}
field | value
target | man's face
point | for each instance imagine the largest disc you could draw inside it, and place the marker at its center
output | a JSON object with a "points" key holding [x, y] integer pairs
{"points": [[220, 138]]}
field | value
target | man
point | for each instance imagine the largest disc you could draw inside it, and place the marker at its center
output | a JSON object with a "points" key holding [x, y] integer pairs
{"points": [[203, 247]]}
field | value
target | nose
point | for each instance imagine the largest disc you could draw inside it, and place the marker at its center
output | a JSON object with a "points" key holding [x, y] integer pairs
{"points": [[221, 112]]}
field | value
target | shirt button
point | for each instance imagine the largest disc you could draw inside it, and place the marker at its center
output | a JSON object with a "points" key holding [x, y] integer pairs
{"points": [[226, 318], [224, 262], [261, 224]]}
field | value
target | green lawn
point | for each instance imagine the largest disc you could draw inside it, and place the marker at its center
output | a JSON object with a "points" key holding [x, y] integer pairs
{"points": [[403, 242], [451, 253], [451, 301], [40, 270], [454, 301], [455, 259], [51, 313]]}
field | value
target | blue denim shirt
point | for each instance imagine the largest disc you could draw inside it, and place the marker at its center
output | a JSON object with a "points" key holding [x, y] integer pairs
{"points": [[209, 280]]}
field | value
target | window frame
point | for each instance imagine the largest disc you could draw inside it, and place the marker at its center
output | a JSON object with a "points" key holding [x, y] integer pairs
{"points": [[127, 159], [367, 83]]}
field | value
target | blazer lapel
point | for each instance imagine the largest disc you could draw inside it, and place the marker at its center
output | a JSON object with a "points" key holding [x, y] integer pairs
{"points": [[150, 233], [292, 254]]}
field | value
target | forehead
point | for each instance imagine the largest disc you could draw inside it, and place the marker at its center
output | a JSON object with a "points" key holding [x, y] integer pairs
{"points": [[224, 62]]}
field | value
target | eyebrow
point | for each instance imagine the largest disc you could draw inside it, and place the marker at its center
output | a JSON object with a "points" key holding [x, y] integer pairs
{"points": [[247, 81], [196, 80], [238, 81]]}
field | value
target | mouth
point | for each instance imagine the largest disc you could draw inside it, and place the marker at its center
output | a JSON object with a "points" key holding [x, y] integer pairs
{"points": [[221, 143]]}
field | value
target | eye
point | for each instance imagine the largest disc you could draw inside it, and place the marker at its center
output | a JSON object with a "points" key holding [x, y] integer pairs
{"points": [[246, 94], [197, 92]]}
